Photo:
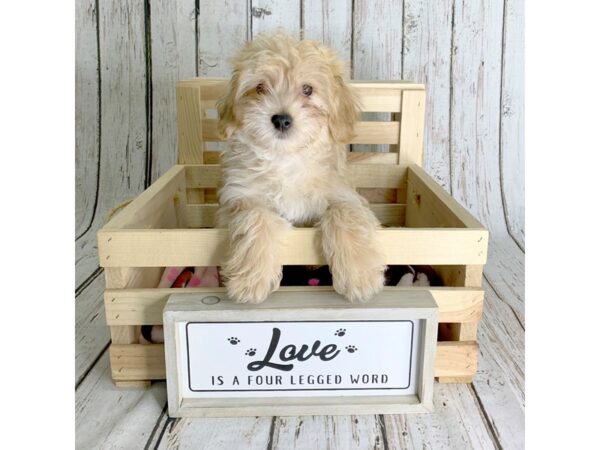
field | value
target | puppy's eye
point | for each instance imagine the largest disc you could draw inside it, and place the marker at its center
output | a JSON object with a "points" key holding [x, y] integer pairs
{"points": [[306, 90], [260, 88]]}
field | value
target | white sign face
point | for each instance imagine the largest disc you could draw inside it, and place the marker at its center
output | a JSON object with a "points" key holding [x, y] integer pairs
{"points": [[298, 358]]}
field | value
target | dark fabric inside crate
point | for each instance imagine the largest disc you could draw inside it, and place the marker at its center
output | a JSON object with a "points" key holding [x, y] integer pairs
{"points": [[302, 275]]}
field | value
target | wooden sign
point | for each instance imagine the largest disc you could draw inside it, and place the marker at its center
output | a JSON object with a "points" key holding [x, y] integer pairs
{"points": [[300, 353]]}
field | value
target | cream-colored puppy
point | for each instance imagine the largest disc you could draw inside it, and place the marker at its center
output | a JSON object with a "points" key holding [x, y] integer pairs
{"points": [[286, 116]]}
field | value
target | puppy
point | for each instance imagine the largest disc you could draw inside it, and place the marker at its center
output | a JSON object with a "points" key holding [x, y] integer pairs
{"points": [[287, 115]]}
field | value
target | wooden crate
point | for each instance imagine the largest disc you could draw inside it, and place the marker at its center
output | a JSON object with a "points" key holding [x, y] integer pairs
{"points": [[172, 224]]}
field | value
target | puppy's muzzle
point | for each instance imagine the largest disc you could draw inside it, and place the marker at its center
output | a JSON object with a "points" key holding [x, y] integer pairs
{"points": [[282, 122]]}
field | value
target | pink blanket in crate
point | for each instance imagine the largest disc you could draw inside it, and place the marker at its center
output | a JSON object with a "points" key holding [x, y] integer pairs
{"points": [[180, 277]]}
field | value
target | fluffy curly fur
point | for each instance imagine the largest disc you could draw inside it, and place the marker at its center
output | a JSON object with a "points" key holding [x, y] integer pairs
{"points": [[274, 178]]}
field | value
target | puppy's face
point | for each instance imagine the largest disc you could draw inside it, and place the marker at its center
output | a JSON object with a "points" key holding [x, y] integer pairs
{"points": [[284, 94]]}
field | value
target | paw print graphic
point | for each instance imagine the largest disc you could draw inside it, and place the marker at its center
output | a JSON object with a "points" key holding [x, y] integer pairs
{"points": [[351, 349], [341, 332], [251, 352], [233, 340]]}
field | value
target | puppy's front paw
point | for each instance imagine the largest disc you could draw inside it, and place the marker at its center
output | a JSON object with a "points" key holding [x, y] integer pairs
{"points": [[359, 285], [358, 275], [243, 289]]}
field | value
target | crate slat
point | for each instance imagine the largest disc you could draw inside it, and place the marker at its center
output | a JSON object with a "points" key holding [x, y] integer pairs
{"points": [[376, 133], [413, 125], [189, 125], [456, 359], [372, 158], [366, 132], [145, 306], [362, 175], [147, 362], [379, 99], [203, 215], [146, 209], [137, 362], [207, 247], [429, 205], [213, 157]]}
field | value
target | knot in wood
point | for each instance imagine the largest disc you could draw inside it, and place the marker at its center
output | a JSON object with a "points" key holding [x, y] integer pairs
{"points": [[259, 12]]}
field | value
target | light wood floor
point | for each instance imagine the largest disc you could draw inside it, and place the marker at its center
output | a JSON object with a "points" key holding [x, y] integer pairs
{"points": [[487, 414]]}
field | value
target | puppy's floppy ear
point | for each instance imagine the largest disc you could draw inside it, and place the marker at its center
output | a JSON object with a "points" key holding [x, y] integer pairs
{"points": [[225, 108], [345, 111]]}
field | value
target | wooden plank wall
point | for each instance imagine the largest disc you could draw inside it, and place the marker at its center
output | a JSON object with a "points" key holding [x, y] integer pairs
{"points": [[129, 53]]}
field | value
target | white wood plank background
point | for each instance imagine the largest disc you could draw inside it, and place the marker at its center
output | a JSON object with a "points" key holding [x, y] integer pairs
{"points": [[129, 53]]}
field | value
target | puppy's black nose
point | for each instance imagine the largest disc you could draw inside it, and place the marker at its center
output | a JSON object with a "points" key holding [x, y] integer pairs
{"points": [[281, 122]]}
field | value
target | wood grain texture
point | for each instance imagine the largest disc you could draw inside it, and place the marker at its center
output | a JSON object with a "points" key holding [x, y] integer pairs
{"points": [[208, 247], [412, 126], [223, 27], [377, 40], [505, 272], [173, 48], [427, 59], [512, 155], [87, 119], [475, 110], [331, 432], [361, 175], [123, 140], [107, 417], [153, 208], [432, 205], [330, 22], [190, 127], [456, 423], [500, 380], [137, 362], [377, 47], [91, 333], [270, 15], [388, 214], [251, 433]]}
